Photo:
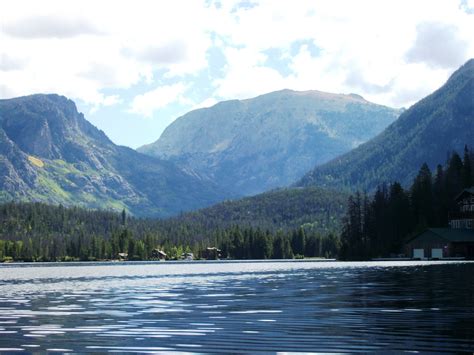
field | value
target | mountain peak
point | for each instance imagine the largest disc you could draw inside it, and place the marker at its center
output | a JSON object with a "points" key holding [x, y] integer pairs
{"points": [[49, 152], [467, 69], [257, 144], [313, 94], [356, 96], [42, 98], [468, 64]]}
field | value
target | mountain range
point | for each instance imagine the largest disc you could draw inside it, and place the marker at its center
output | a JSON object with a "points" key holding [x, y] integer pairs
{"points": [[250, 146], [425, 133], [49, 152], [433, 127]]}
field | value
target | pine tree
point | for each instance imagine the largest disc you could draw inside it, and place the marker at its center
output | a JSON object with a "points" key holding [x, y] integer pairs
{"points": [[298, 241], [422, 198], [466, 169]]}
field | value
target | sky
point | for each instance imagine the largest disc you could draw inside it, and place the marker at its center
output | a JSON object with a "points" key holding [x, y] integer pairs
{"points": [[133, 67]]}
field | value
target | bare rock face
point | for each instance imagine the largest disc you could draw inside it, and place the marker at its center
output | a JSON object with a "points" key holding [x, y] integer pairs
{"points": [[254, 145], [49, 152]]}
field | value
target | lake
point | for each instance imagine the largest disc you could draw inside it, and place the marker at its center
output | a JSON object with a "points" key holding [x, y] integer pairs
{"points": [[237, 307]]}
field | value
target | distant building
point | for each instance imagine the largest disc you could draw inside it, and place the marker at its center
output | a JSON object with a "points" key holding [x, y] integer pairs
{"points": [[438, 243], [464, 216], [158, 254], [187, 256], [211, 253], [456, 241], [123, 256]]}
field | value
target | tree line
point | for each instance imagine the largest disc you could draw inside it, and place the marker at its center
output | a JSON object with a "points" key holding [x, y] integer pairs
{"points": [[42, 232], [379, 225], [374, 226]]}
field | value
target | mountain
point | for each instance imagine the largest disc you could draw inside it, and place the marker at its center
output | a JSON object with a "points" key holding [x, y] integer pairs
{"points": [[438, 124], [255, 145], [49, 152]]}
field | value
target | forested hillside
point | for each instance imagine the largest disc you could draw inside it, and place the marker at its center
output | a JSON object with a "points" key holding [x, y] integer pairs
{"points": [[426, 133], [39, 232], [280, 224], [379, 225], [316, 208]]}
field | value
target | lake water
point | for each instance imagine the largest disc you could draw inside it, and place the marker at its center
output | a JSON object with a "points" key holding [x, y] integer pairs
{"points": [[237, 307]]}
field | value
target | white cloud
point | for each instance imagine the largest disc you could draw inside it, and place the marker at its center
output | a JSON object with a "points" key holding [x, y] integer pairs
{"points": [[246, 75], [438, 45], [173, 52], [51, 26], [8, 63], [361, 46], [160, 97], [83, 49], [110, 100]]}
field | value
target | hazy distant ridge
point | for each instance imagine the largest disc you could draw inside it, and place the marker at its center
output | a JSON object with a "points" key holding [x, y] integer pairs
{"points": [[254, 145]]}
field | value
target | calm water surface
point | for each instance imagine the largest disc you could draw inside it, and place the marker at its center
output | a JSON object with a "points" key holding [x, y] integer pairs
{"points": [[237, 307]]}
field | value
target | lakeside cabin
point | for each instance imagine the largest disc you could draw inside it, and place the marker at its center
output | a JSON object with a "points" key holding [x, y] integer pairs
{"points": [[457, 241], [158, 254], [122, 256], [211, 253]]}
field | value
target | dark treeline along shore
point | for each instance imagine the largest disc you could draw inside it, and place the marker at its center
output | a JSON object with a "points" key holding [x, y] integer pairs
{"points": [[41, 232], [379, 225], [373, 226]]}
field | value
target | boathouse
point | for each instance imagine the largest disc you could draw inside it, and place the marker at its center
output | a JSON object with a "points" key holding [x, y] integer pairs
{"points": [[438, 243], [456, 241]]}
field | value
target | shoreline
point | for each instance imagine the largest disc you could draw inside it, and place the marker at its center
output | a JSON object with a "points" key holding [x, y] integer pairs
{"points": [[391, 262]]}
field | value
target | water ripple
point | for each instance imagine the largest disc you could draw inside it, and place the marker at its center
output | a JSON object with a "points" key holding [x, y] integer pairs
{"points": [[238, 307]]}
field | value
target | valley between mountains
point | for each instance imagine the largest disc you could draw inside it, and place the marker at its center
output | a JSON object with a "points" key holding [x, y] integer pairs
{"points": [[279, 143]]}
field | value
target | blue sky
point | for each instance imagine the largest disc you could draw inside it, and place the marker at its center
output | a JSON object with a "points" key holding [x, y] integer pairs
{"points": [[133, 67]]}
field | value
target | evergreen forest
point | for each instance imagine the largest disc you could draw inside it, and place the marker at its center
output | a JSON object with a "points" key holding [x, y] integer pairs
{"points": [[379, 225], [373, 226]]}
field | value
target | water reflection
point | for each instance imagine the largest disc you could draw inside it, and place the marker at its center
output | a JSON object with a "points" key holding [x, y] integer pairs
{"points": [[237, 307]]}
